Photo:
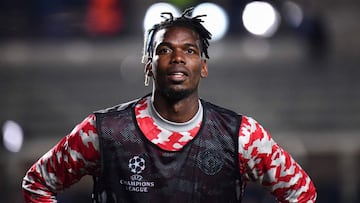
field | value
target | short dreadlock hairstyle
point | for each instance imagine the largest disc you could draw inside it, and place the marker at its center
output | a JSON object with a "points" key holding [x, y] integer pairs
{"points": [[185, 20]]}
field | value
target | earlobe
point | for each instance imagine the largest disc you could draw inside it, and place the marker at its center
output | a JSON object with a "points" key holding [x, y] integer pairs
{"points": [[204, 69]]}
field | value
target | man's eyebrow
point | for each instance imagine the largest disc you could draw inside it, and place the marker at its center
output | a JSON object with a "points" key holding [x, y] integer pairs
{"points": [[192, 45], [168, 44]]}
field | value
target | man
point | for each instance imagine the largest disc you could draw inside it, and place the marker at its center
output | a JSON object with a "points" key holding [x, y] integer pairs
{"points": [[170, 145]]}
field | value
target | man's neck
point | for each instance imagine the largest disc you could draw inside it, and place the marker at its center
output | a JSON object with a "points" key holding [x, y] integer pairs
{"points": [[179, 111]]}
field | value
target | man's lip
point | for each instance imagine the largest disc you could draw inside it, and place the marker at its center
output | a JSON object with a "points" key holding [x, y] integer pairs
{"points": [[178, 72], [177, 76]]}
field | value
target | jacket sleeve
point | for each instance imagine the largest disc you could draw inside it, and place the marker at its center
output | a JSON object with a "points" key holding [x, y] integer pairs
{"points": [[66, 163], [263, 161]]}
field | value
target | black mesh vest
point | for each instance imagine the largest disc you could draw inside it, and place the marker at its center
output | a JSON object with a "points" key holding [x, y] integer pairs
{"points": [[136, 170]]}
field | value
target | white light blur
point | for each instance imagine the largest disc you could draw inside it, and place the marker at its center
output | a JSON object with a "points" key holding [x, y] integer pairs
{"points": [[12, 136], [152, 15], [293, 13], [216, 19], [261, 18]]}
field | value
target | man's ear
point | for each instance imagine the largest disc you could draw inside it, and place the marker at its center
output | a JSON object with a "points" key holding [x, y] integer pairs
{"points": [[204, 69]]}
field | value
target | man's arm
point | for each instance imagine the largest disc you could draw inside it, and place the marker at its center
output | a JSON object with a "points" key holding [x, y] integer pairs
{"points": [[263, 161], [66, 163]]}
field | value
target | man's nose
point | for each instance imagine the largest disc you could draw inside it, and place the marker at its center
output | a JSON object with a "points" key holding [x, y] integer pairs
{"points": [[177, 57]]}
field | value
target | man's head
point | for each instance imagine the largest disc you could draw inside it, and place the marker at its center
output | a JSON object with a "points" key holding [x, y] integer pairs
{"points": [[185, 20], [175, 55]]}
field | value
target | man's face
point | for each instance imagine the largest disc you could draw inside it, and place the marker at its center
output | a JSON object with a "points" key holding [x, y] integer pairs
{"points": [[177, 64]]}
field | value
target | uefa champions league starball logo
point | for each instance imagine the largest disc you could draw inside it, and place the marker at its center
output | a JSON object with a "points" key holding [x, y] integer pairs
{"points": [[136, 182], [137, 165]]}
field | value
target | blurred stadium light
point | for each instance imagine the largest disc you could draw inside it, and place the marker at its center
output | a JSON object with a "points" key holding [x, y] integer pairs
{"points": [[216, 22], [292, 13], [152, 15], [261, 18], [12, 135]]}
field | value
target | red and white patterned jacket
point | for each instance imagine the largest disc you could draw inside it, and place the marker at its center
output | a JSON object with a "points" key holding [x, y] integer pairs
{"points": [[261, 159]]}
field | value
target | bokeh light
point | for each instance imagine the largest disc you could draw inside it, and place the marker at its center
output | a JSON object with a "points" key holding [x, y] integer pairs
{"points": [[293, 13], [216, 20], [261, 18], [12, 136], [152, 15]]}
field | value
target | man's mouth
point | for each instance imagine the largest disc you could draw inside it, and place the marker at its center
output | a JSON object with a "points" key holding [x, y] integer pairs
{"points": [[177, 76]]}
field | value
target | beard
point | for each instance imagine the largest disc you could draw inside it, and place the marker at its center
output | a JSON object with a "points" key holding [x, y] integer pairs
{"points": [[176, 95]]}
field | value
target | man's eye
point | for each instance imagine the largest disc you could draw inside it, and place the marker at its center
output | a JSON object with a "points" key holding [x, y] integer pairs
{"points": [[164, 51], [190, 51]]}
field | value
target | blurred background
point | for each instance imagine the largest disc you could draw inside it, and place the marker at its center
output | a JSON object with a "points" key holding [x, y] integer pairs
{"points": [[292, 65]]}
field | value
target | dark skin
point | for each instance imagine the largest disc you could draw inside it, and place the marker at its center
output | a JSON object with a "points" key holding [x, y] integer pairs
{"points": [[176, 67]]}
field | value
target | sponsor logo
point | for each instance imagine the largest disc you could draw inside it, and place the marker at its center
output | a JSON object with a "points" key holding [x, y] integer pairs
{"points": [[135, 183]]}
